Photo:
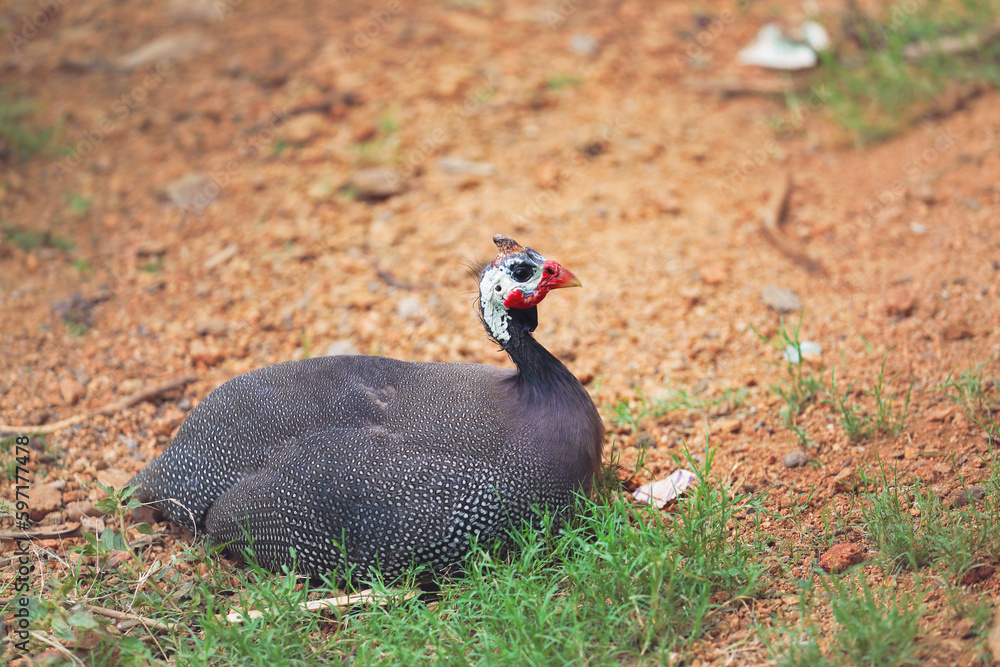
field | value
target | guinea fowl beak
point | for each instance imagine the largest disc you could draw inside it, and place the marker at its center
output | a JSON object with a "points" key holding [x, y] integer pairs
{"points": [[555, 276]]}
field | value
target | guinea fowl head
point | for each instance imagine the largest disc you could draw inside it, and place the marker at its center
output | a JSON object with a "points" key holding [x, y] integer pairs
{"points": [[512, 285]]}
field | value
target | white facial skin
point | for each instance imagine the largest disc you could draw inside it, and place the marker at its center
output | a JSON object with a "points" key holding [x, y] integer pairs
{"points": [[497, 284]]}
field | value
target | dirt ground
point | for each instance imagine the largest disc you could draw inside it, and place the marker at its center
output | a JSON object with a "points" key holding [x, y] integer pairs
{"points": [[221, 215]]}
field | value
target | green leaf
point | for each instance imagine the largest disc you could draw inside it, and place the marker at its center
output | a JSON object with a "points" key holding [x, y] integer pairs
{"points": [[83, 620], [144, 528], [62, 630]]}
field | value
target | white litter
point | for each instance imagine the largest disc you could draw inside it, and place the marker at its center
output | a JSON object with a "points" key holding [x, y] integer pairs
{"points": [[774, 50], [816, 36], [809, 350], [662, 491]]}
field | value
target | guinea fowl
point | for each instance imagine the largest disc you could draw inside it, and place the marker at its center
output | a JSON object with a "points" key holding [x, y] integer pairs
{"points": [[363, 464]]}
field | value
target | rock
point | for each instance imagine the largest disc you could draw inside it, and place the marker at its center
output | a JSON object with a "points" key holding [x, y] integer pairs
{"points": [[408, 306], [211, 326], [899, 302], [164, 49], [302, 128], [202, 353], [727, 426], [548, 175], [71, 391], [92, 524], [840, 557], [968, 495], [846, 480], [941, 413], [192, 192], [342, 346], [202, 11], [780, 299], [377, 183], [956, 329], [583, 45], [715, 273], [81, 508], [42, 499], [112, 477], [795, 459], [977, 574], [455, 165]]}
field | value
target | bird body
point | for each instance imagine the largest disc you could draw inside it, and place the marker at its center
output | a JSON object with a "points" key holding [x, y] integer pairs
{"points": [[364, 464]]}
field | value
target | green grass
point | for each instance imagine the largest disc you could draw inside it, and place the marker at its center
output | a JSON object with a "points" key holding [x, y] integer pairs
{"points": [[977, 392], [631, 412], [78, 204], [30, 239], [561, 81], [619, 583], [914, 528], [876, 90], [20, 138], [800, 386], [859, 423], [870, 627]]}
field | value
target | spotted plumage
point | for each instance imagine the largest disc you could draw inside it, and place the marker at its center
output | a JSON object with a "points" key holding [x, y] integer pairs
{"points": [[372, 464]]}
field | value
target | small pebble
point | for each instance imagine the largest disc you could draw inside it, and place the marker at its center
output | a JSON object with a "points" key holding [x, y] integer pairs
{"points": [[583, 45], [795, 459], [780, 299], [966, 496], [377, 183], [408, 306], [840, 557]]}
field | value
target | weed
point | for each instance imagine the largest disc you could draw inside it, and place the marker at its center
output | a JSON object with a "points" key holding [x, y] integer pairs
{"points": [[872, 629], [78, 204], [855, 421], [631, 412], [869, 628], [913, 528], [978, 395], [883, 86], [800, 386], [83, 266], [887, 419], [19, 141], [29, 239], [152, 265], [560, 81]]}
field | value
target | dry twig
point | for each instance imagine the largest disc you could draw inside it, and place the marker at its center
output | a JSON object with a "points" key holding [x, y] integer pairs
{"points": [[124, 616], [365, 596], [770, 228], [115, 406]]}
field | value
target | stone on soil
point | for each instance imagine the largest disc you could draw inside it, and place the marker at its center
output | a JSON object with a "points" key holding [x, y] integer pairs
{"points": [[795, 459], [781, 299]]}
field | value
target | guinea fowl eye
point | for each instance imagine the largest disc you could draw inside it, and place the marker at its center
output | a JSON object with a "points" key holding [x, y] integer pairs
{"points": [[521, 273]]}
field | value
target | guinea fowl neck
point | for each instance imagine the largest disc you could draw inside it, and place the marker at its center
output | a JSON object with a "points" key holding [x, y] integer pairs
{"points": [[539, 372]]}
